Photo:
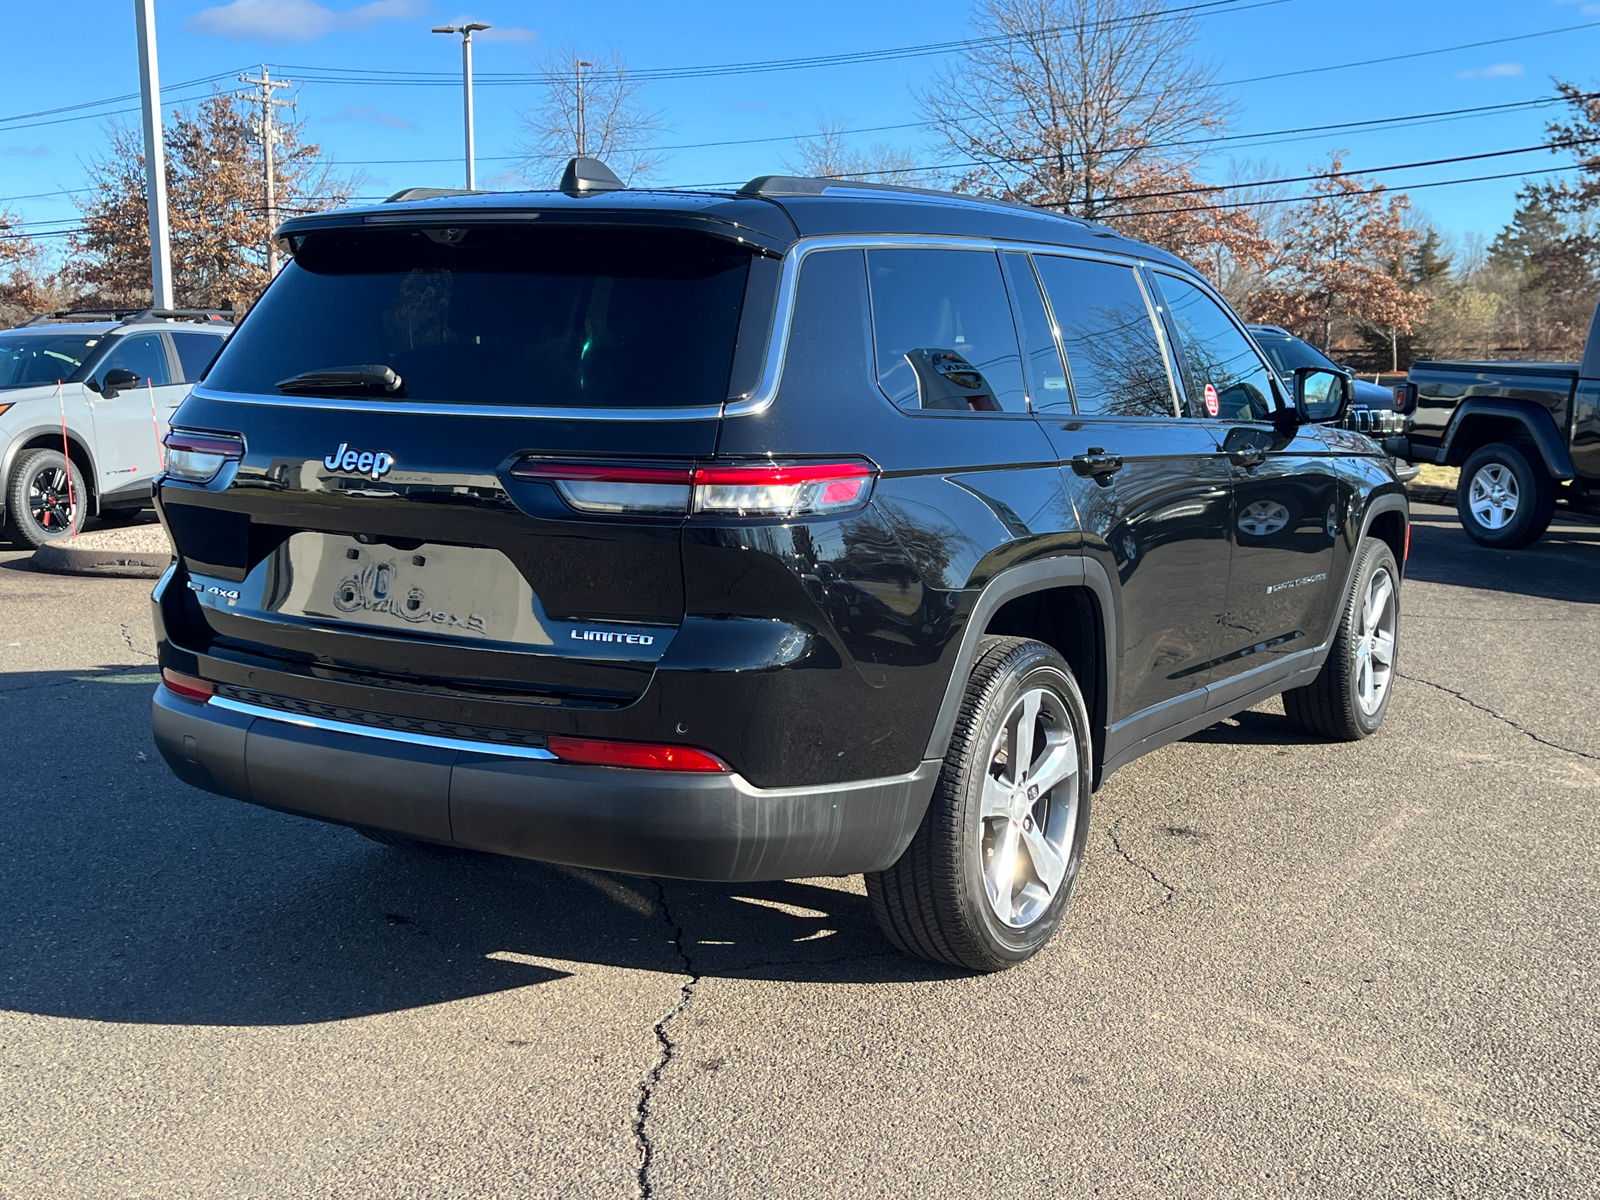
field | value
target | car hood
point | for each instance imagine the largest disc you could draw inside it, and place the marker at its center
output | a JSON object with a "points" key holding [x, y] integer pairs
{"points": [[1371, 395]]}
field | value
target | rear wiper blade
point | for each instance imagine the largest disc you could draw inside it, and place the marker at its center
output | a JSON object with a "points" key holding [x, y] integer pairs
{"points": [[371, 378]]}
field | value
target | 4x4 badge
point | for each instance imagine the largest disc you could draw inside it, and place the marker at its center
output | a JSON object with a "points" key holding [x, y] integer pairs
{"points": [[374, 464]]}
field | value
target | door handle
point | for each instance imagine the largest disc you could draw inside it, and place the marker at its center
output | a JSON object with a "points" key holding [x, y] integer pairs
{"points": [[1097, 465], [1248, 457]]}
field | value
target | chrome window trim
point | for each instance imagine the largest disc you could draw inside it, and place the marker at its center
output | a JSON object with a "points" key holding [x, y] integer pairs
{"points": [[755, 402], [463, 745], [704, 412]]}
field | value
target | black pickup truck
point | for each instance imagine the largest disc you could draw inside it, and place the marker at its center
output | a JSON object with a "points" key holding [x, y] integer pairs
{"points": [[1524, 434]]}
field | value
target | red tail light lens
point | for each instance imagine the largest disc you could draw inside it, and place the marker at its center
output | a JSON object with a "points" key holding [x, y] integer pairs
{"points": [[190, 687], [605, 488], [759, 489], [782, 490], [197, 457], [643, 755], [1405, 397]]}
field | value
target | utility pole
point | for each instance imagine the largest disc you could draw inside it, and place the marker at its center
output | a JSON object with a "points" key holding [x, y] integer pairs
{"points": [[466, 32], [579, 66], [155, 157], [266, 133]]}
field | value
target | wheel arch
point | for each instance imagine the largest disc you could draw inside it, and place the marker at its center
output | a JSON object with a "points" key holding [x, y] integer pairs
{"points": [[1066, 603], [46, 437], [1479, 423]]}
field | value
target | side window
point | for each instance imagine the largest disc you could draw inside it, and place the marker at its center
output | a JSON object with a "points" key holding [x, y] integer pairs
{"points": [[1110, 337], [1047, 380], [195, 352], [141, 353], [942, 331], [1227, 379]]}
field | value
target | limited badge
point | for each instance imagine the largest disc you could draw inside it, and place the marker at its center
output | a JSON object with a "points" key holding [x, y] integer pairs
{"points": [[1211, 400]]}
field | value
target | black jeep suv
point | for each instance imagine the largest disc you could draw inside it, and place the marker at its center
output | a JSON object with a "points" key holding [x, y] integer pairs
{"points": [[810, 529]]}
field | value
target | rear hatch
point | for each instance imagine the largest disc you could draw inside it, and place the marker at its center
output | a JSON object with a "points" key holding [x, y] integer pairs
{"points": [[373, 529]]}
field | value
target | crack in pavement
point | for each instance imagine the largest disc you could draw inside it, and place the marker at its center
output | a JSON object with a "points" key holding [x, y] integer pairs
{"points": [[666, 1049], [1484, 708], [127, 636], [1169, 889]]}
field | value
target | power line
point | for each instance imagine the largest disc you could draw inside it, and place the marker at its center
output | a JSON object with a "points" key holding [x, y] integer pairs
{"points": [[353, 75], [171, 87]]}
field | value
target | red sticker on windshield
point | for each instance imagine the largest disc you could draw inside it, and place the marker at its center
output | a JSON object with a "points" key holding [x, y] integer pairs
{"points": [[1211, 400]]}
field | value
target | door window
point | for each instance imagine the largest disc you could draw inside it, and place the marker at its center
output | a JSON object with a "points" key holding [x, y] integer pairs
{"points": [[1047, 381], [942, 328], [195, 352], [1112, 343], [141, 353], [1227, 379]]}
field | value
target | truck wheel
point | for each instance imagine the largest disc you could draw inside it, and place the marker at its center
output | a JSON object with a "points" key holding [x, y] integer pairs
{"points": [[1347, 699], [41, 504], [1504, 499], [985, 880]]}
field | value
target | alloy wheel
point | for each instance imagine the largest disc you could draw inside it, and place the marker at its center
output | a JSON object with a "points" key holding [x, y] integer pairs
{"points": [[51, 502], [1492, 495], [1374, 649], [1029, 808]]}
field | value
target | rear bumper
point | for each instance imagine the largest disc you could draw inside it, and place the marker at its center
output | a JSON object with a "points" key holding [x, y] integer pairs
{"points": [[678, 825]]}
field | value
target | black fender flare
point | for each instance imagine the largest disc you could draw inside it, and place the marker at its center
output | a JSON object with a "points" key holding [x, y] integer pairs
{"points": [[1043, 575], [1534, 418], [23, 437]]}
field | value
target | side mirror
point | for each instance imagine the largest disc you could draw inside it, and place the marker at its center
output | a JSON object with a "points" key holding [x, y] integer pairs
{"points": [[1320, 395], [118, 379]]}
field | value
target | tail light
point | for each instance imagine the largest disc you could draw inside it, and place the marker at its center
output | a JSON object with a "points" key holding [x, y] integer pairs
{"points": [[1405, 397], [595, 752], [190, 687], [602, 488], [756, 489], [197, 457]]}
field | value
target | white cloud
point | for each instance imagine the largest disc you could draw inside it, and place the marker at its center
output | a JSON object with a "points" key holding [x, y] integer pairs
{"points": [[1493, 71], [276, 22], [27, 151], [495, 33], [371, 115]]}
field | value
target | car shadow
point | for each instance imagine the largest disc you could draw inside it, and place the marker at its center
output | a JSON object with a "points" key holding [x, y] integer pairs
{"points": [[1562, 565], [132, 897], [1253, 727]]}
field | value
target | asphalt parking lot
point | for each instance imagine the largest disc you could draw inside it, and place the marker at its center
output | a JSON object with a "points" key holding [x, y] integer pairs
{"points": [[1334, 970]]}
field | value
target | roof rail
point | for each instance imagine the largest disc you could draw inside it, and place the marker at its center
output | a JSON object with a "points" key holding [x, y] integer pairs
{"points": [[81, 314], [425, 193], [771, 186], [200, 316]]}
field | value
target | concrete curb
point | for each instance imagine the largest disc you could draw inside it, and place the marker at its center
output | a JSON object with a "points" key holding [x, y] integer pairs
{"points": [[63, 558]]}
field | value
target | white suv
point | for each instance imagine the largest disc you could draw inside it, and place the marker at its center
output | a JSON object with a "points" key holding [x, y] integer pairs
{"points": [[84, 401]]}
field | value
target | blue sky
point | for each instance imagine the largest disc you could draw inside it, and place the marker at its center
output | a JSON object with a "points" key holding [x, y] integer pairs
{"points": [[94, 57]]}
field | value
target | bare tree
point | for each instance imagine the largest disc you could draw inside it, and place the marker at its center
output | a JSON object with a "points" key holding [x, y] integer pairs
{"points": [[591, 107], [24, 289], [1075, 104], [217, 210], [827, 154]]}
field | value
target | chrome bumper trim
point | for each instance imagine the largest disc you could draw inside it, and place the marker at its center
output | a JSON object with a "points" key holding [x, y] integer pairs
{"points": [[495, 749]]}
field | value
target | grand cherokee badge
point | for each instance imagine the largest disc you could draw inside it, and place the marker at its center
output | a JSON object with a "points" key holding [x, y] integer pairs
{"points": [[372, 464]]}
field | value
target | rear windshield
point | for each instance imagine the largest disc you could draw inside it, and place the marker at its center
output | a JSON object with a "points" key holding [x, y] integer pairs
{"points": [[591, 318]]}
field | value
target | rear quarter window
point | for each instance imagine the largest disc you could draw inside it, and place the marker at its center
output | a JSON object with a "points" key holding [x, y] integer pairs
{"points": [[942, 331], [555, 316]]}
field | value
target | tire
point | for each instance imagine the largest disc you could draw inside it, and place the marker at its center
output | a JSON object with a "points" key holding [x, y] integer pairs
{"points": [[943, 899], [1348, 698], [39, 503], [1505, 498]]}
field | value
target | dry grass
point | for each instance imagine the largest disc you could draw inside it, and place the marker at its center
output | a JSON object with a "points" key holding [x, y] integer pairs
{"points": [[1435, 476]]}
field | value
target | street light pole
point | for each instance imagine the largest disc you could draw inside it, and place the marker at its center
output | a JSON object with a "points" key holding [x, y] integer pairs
{"points": [[155, 157], [466, 32]]}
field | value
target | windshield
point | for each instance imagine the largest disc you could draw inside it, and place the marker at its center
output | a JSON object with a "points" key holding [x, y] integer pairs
{"points": [[1290, 353], [551, 316], [31, 359]]}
